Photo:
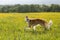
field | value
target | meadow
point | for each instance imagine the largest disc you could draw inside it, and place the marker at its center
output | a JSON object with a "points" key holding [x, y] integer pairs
{"points": [[12, 26]]}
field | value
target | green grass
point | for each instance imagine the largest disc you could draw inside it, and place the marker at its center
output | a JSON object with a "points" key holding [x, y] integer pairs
{"points": [[12, 27]]}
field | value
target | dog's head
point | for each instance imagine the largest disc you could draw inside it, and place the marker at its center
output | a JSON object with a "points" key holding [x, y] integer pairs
{"points": [[26, 19]]}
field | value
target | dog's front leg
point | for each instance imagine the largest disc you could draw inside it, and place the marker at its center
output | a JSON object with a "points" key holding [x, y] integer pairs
{"points": [[28, 27]]}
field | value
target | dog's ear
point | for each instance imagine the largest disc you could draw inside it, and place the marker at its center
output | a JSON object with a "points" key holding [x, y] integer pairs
{"points": [[26, 16]]}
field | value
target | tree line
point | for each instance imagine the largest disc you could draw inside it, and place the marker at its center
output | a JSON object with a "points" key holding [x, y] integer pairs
{"points": [[30, 8]]}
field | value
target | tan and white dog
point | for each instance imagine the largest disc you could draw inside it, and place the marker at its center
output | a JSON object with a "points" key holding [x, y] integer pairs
{"points": [[33, 22]]}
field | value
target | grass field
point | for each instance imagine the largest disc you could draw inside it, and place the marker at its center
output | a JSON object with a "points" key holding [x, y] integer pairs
{"points": [[12, 26]]}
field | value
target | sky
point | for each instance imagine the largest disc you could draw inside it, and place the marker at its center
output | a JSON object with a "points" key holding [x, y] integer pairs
{"points": [[11, 2]]}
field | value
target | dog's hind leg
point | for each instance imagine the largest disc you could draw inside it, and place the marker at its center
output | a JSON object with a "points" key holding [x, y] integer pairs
{"points": [[34, 28]]}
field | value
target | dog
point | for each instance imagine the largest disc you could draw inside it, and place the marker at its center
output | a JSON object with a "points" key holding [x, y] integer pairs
{"points": [[33, 22]]}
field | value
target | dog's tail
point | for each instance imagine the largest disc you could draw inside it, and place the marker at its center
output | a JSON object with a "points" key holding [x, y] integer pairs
{"points": [[49, 24]]}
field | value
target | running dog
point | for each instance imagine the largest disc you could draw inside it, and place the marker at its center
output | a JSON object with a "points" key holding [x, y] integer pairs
{"points": [[33, 22]]}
